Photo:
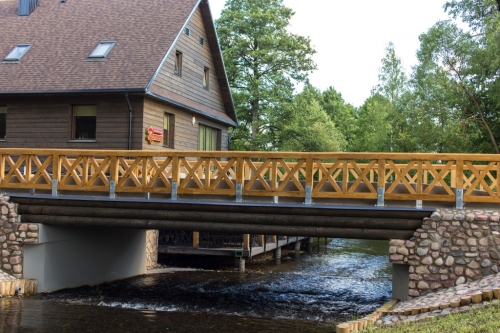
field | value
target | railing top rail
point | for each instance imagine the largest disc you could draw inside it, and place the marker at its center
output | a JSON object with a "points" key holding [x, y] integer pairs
{"points": [[259, 154]]}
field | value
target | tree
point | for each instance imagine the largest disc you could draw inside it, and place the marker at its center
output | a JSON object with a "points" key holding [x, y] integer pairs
{"points": [[468, 66], [308, 126], [263, 61], [392, 78], [434, 114], [341, 113], [393, 84], [373, 126]]}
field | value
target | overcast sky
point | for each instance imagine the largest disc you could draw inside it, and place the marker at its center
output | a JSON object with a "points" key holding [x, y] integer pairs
{"points": [[350, 37]]}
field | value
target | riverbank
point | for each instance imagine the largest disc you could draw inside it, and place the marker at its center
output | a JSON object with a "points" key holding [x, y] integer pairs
{"points": [[461, 298], [480, 318], [468, 307]]}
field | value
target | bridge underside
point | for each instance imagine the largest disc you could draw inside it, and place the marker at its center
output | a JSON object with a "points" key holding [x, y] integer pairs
{"points": [[215, 216]]}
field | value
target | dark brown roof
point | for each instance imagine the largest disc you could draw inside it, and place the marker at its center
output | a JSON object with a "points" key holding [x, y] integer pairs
{"points": [[64, 34]]}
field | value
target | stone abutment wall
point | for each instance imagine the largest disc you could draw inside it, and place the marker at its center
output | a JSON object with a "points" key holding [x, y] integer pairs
{"points": [[451, 248], [12, 237]]}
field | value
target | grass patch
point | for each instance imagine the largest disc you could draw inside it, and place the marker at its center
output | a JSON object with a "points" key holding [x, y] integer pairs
{"points": [[484, 320]]}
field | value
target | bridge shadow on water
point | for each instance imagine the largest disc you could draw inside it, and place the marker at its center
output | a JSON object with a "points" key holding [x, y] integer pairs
{"points": [[339, 280]]}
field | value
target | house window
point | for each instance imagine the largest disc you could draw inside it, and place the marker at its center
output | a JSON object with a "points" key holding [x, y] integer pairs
{"points": [[202, 41], [168, 130], [18, 52], [84, 122], [209, 138], [102, 49], [178, 63], [187, 31], [3, 122], [206, 77]]}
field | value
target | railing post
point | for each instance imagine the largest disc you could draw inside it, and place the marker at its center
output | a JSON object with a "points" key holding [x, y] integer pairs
{"points": [[56, 173], [459, 198], [176, 169], [459, 190], [239, 179], [309, 180], [113, 176], [112, 189], [381, 183]]}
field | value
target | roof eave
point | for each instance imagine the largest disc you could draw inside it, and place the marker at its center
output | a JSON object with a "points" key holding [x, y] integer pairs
{"points": [[191, 109], [75, 91]]}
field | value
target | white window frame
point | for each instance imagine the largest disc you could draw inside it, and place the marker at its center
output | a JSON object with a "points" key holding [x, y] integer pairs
{"points": [[16, 54], [109, 43]]}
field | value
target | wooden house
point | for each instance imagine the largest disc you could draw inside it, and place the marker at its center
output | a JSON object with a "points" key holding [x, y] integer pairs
{"points": [[112, 74]]}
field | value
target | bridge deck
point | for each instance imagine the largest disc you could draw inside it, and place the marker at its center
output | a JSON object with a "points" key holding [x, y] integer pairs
{"points": [[215, 216]]}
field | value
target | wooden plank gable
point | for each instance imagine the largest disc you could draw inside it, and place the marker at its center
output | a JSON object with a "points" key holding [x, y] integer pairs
{"points": [[187, 87]]}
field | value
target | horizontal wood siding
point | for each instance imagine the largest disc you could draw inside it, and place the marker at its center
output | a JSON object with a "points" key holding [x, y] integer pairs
{"points": [[45, 122], [185, 133], [195, 58]]}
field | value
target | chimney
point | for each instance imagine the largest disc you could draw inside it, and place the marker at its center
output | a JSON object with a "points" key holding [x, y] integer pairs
{"points": [[27, 7]]}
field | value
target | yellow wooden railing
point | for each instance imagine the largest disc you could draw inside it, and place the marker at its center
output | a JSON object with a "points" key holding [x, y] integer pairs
{"points": [[395, 176]]}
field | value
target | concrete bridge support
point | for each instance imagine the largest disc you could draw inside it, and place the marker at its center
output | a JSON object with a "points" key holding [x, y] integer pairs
{"points": [[296, 247], [71, 256], [400, 279], [277, 255]]}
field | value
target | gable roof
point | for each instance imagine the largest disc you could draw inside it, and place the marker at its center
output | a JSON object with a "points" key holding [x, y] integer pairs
{"points": [[63, 34]]}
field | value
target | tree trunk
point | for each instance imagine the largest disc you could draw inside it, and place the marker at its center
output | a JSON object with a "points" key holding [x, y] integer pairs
{"points": [[255, 122]]}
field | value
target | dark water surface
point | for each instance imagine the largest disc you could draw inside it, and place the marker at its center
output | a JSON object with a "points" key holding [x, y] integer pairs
{"points": [[341, 280]]}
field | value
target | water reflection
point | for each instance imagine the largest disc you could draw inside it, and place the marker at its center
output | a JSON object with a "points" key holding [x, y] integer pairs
{"points": [[340, 280]]}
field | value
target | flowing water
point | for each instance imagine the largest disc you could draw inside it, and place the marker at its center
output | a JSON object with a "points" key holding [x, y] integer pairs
{"points": [[338, 281]]}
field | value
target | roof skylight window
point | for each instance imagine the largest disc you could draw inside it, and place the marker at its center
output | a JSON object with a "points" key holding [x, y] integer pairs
{"points": [[18, 52], [102, 49]]}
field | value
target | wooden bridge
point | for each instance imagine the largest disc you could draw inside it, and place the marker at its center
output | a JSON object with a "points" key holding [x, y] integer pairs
{"points": [[112, 195], [296, 194], [242, 176]]}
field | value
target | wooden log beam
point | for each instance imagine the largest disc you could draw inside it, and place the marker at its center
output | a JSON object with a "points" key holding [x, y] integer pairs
{"points": [[242, 218], [228, 207], [72, 221]]}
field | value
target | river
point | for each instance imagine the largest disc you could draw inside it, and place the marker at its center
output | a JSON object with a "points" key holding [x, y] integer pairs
{"points": [[338, 281]]}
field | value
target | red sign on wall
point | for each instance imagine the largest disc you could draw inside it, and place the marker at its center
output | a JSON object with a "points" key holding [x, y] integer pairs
{"points": [[154, 134]]}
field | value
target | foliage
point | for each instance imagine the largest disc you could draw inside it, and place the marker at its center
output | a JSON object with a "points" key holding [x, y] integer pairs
{"points": [[373, 126], [457, 78], [449, 103], [263, 62], [392, 78], [393, 85], [341, 113], [309, 127]]}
